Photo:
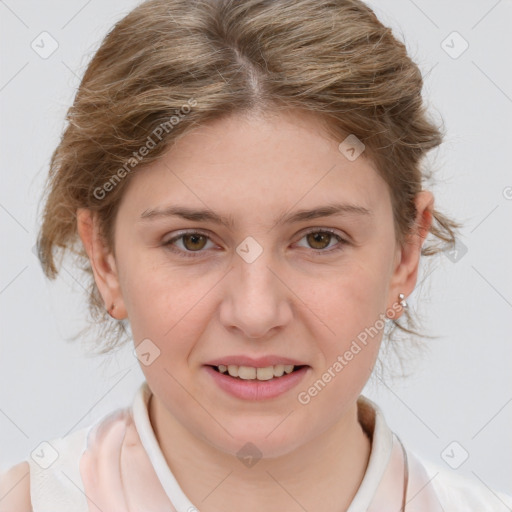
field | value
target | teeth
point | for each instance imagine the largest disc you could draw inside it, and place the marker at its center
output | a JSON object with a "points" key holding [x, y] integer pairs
{"points": [[245, 372], [233, 370], [266, 373], [251, 373], [279, 370]]}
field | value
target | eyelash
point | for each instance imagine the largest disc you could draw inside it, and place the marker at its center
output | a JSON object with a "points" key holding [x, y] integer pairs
{"points": [[191, 254]]}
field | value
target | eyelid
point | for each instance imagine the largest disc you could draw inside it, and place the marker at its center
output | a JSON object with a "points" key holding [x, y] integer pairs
{"points": [[345, 238], [190, 231], [315, 229]]}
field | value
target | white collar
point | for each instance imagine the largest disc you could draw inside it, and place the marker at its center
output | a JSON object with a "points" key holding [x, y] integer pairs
{"points": [[369, 414], [372, 420]]}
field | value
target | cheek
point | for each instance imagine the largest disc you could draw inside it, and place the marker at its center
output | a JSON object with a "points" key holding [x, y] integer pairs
{"points": [[348, 334], [348, 322], [350, 299], [166, 305]]}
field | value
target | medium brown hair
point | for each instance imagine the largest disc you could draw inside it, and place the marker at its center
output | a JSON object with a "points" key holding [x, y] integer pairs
{"points": [[171, 65]]}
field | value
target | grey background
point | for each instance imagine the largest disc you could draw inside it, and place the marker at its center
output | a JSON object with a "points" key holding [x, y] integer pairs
{"points": [[460, 390]]}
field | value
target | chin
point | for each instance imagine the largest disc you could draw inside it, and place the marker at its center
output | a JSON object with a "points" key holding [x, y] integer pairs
{"points": [[265, 441]]}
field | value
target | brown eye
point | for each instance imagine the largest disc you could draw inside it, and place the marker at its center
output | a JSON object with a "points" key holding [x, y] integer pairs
{"points": [[194, 241], [186, 244], [323, 242], [319, 239]]}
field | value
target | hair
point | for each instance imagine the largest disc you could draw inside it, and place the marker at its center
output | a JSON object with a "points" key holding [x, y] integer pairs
{"points": [[171, 65]]}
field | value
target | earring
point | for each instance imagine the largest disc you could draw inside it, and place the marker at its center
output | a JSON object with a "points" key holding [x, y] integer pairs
{"points": [[402, 300]]}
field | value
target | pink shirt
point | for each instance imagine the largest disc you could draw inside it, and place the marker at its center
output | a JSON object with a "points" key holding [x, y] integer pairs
{"points": [[116, 465]]}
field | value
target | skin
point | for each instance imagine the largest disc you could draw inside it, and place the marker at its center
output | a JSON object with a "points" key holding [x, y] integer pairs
{"points": [[291, 301]]}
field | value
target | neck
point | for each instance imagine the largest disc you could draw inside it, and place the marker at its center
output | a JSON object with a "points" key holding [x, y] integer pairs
{"points": [[326, 471]]}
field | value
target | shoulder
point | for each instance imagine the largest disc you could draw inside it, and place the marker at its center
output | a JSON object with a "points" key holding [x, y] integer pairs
{"points": [[55, 479], [15, 489], [461, 493], [51, 476], [49, 479]]}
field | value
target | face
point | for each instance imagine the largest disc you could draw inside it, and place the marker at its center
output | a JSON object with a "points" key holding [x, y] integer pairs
{"points": [[264, 282]]}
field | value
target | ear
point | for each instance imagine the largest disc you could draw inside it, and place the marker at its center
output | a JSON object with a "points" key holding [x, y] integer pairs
{"points": [[103, 263], [407, 259]]}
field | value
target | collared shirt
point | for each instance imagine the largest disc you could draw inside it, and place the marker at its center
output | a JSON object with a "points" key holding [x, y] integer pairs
{"points": [[116, 465]]}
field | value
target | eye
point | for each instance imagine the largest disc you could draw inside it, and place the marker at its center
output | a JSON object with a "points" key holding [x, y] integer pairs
{"points": [[195, 241], [192, 241], [320, 239]]}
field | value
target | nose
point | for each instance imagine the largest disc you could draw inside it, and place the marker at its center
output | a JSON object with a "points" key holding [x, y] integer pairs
{"points": [[256, 299]]}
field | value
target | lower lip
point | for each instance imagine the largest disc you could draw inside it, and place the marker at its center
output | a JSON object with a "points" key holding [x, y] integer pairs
{"points": [[257, 389]]}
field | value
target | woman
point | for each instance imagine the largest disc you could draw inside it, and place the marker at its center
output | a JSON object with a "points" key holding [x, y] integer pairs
{"points": [[244, 180]]}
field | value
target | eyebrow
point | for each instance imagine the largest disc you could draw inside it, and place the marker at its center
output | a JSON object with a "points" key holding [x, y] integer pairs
{"points": [[206, 215]]}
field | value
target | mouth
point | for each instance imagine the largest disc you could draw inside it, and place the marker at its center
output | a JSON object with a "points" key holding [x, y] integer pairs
{"points": [[266, 373], [261, 381]]}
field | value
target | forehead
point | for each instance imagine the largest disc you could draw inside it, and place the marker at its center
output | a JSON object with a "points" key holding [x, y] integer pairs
{"points": [[257, 165]]}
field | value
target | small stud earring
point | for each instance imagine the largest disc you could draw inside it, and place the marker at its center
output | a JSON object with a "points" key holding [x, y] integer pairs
{"points": [[402, 300]]}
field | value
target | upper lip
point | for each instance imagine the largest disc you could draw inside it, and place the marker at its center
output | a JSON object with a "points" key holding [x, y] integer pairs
{"points": [[256, 362]]}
